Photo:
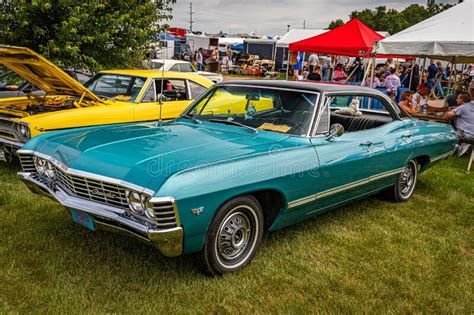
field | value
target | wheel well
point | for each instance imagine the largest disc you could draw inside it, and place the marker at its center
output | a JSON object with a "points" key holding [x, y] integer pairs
{"points": [[423, 161], [271, 202]]}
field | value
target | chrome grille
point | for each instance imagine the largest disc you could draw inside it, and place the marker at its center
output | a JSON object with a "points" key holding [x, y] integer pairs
{"points": [[7, 129], [82, 187], [92, 189], [165, 214], [103, 192], [27, 163]]}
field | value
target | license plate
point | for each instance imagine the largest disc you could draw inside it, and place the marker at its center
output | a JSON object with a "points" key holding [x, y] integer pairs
{"points": [[82, 218]]}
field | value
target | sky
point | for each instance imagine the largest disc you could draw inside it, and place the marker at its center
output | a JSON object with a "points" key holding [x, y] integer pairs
{"points": [[271, 17]]}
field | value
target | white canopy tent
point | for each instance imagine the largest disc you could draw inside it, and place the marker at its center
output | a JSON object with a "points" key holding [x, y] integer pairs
{"points": [[295, 35], [448, 36]]}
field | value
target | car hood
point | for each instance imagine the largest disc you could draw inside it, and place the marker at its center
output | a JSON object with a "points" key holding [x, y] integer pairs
{"points": [[147, 154], [209, 74], [41, 72]]}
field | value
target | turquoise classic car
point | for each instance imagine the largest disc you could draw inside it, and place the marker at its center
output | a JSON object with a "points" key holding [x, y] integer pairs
{"points": [[245, 158]]}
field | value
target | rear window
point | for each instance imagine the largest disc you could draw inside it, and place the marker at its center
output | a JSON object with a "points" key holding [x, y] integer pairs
{"points": [[113, 86]]}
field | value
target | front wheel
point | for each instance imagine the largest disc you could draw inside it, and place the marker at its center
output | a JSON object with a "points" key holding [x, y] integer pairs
{"points": [[405, 184], [233, 237]]}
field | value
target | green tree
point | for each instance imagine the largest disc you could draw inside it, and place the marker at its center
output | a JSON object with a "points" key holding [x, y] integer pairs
{"points": [[94, 34], [394, 21], [335, 23]]}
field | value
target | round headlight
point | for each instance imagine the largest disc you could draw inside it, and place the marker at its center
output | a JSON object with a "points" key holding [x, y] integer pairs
{"points": [[149, 210], [49, 170], [40, 165], [135, 202], [24, 131]]}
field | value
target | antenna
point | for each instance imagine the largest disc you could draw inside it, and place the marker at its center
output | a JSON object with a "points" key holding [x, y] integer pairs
{"points": [[304, 24], [191, 22], [160, 99]]}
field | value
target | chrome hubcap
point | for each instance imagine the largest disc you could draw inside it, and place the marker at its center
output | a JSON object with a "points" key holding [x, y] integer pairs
{"points": [[407, 180], [234, 235]]}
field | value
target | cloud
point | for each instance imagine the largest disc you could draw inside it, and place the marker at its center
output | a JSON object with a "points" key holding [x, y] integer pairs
{"points": [[271, 17]]}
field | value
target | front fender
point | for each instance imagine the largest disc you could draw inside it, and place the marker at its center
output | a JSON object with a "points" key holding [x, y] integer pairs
{"points": [[207, 188]]}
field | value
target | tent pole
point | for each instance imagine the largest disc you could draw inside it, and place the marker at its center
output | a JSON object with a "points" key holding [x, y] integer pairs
{"points": [[411, 72], [350, 75], [274, 57], [449, 79], [372, 72], [366, 72], [456, 74]]}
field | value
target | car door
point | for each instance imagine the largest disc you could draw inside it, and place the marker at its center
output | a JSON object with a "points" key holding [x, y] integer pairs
{"points": [[350, 164], [175, 98]]}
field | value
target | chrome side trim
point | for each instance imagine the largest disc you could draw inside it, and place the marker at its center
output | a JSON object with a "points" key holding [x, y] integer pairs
{"points": [[442, 156], [332, 191], [72, 171]]}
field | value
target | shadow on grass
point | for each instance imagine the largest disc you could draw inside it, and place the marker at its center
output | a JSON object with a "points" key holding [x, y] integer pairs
{"points": [[110, 249]]}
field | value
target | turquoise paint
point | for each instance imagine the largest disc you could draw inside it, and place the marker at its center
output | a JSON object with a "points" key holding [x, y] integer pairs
{"points": [[204, 165]]}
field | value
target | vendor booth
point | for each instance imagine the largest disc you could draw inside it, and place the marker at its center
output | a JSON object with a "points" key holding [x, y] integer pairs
{"points": [[292, 36], [358, 41]]}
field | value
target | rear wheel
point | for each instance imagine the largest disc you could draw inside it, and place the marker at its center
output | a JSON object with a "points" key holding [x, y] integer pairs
{"points": [[406, 183], [233, 237]]}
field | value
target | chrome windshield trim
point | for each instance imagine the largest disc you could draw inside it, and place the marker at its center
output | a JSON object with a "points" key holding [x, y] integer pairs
{"points": [[76, 172], [338, 189], [307, 134]]}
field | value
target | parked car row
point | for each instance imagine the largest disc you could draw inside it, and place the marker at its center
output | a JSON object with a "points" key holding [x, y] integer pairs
{"points": [[244, 158], [182, 66], [110, 97]]}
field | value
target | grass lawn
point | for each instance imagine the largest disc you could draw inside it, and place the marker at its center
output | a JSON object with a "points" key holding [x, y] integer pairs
{"points": [[371, 256]]}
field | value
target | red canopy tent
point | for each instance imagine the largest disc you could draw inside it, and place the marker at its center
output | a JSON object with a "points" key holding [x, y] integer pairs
{"points": [[353, 39]]}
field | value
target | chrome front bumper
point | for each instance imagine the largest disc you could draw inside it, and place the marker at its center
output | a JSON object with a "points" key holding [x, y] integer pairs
{"points": [[9, 147], [168, 241]]}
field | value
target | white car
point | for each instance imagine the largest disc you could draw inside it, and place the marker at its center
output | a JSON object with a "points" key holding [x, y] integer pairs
{"points": [[182, 66]]}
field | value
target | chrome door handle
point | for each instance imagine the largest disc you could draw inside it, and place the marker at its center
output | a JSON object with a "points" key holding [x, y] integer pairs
{"points": [[367, 145]]}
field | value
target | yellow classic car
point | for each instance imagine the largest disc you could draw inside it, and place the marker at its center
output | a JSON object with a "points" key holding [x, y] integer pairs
{"points": [[110, 97]]}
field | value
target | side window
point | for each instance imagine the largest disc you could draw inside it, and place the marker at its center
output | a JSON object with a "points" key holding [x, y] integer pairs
{"points": [[150, 95], [371, 113], [173, 89], [196, 89], [185, 67], [365, 102], [324, 120], [174, 68]]}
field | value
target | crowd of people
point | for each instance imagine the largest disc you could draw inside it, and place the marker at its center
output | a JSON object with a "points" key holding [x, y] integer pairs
{"points": [[418, 87]]}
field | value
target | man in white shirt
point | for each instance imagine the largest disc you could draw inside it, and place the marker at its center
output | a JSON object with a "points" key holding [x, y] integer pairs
{"points": [[392, 83], [313, 62]]}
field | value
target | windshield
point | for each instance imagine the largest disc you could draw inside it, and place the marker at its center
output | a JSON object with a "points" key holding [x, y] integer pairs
{"points": [[11, 81], [155, 65], [118, 87], [274, 110]]}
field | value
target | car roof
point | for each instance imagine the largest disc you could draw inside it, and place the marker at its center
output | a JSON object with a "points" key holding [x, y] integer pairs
{"points": [[172, 61], [158, 74], [305, 86]]}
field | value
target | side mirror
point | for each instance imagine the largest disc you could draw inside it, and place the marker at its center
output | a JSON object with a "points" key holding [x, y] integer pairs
{"points": [[336, 130], [160, 98]]}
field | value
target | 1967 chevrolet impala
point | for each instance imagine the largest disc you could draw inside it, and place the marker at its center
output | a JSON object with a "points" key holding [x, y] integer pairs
{"points": [[245, 158]]}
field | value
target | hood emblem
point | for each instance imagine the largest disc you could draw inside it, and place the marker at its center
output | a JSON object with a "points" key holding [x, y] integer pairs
{"points": [[197, 211], [102, 193]]}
